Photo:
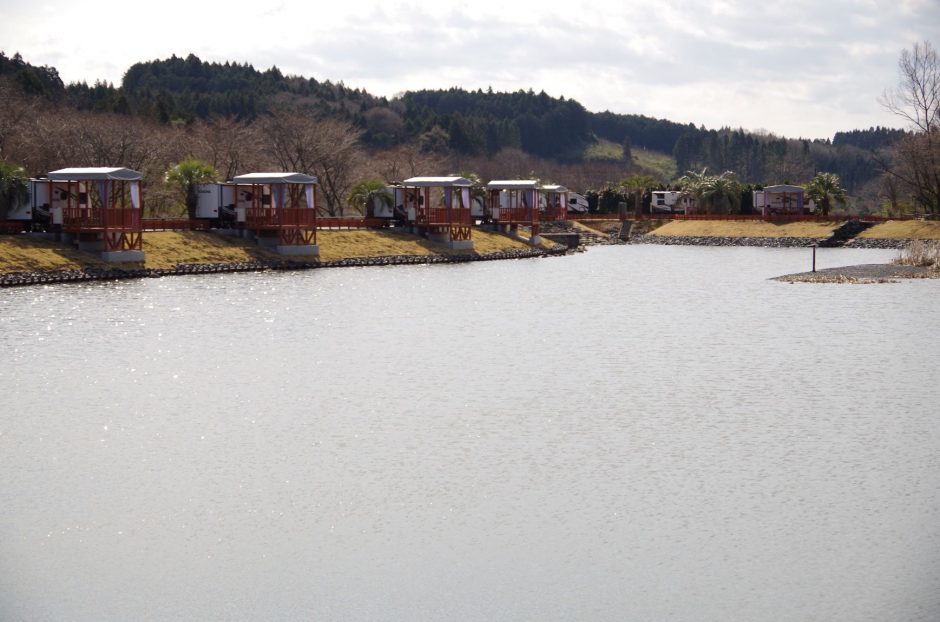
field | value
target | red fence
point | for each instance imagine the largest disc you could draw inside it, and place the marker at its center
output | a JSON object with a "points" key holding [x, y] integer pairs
{"points": [[80, 218], [352, 223], [175, 224], [613, 216], [13, 226], [745, 217], [444, 216], [554, 214], [513, 215], [281, 217], [185, 224]]}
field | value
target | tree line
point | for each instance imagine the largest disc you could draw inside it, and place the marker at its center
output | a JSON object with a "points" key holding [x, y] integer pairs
{"points": [[480, 129]]}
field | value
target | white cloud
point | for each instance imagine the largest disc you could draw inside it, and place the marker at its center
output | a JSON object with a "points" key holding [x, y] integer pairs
{"points": [[711, 62]]}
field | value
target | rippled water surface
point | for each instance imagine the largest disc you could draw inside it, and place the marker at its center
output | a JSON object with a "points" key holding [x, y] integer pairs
{"points": [[633, 433]]}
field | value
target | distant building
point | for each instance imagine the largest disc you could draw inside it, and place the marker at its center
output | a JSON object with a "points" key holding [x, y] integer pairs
{"points": [[781, 199], [669, 201]]}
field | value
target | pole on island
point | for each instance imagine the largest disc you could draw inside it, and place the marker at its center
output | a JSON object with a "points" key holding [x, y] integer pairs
{"points": [[814, 258]]}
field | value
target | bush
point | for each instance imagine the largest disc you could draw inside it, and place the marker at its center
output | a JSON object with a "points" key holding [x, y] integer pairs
{"points": [[925, 254]]}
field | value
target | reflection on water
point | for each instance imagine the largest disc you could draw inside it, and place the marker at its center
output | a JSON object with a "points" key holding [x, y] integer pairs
{"points": [[634, 433]]}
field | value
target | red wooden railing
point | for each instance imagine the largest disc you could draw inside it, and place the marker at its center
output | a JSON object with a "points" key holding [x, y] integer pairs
{"points": [[554, 214], [352, 223], [13, 226], [745, 217], [281, 217], [444, 216], [513, 215], [80, 218], [613, 216], [175, 224]]}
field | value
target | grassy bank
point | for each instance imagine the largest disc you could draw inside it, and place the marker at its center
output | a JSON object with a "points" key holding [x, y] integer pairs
{"points": [[903, 230], [166, 250], [606, 227], [746, 229]]}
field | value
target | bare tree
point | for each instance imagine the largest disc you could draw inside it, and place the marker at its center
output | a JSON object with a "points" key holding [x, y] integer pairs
{"points": [[326, 148], [117, 140], [229, 145], [14, 114], [915, 160], [407, 161], [916, 98]]}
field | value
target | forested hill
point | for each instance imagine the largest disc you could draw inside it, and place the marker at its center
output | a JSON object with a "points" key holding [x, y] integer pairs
{"points": [[182, 90], [32, 80], [873, 138]]}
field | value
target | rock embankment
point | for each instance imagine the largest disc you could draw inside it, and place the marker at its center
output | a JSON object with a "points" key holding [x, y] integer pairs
{"points": [[587, 235], [877, 243], [115, 273], [722, 241]]}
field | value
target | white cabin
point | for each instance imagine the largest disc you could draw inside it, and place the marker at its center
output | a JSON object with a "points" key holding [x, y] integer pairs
{"points": [[577, 203], [36, 204], [217, 202], [669, 201], [781, 199]]}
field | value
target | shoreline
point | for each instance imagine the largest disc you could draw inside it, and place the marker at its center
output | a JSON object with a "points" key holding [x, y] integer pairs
{"points": [[205, 253], [48, 277]]}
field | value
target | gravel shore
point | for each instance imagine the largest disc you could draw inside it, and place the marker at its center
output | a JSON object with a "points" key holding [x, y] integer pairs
{"points": [[865, 273]]}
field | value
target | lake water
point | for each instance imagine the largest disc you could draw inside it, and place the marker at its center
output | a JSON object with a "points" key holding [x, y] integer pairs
{"points": [[632, 433]]}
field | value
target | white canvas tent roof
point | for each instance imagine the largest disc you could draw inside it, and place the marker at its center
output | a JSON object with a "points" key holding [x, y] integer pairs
{"points": [[783, 188], [512, 184], [274, 178], [554, 188], [437, 182], [96, 173]]}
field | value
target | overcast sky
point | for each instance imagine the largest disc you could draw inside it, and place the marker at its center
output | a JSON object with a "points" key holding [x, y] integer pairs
{"points": [[797, 68]]}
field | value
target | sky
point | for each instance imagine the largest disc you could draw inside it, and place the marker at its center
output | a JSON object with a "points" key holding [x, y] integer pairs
{"points": [[797, 68]]}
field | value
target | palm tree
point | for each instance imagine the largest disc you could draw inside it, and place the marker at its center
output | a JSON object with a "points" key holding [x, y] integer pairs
{"points": [[714, 193], [825, 188], [14, 187], [692, 187], [187, 176], [364, 195], [638, 185], [723, 193]]}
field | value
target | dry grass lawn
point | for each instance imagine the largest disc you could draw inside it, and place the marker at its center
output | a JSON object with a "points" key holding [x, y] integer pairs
{"points": [[335, 245], [903, 230], [746, 229], [27, 253], [492, 242], [526, 232], [165, 250], [605, 227]]}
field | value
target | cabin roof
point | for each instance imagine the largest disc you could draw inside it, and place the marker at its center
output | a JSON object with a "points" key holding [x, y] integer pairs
{"points": [[95, 173], [512, 184], [554, 188], [782, 188], [274, 178], [437, 182]]}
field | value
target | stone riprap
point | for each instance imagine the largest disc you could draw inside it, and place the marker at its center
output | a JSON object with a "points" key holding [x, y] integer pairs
{"points": [[723, 241], [109, 274]]}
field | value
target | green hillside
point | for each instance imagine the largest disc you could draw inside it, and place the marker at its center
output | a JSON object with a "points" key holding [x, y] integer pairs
{"points": [[179, 91]]}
